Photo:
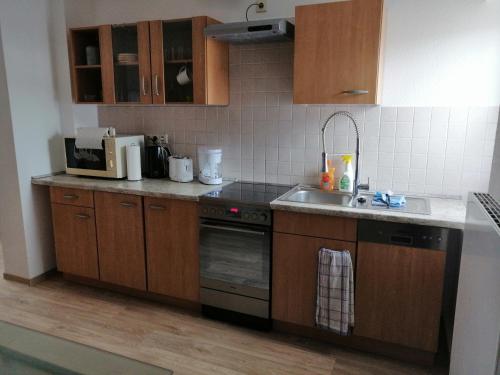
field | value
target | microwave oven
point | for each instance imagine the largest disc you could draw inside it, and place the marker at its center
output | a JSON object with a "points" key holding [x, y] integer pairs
{"points": [[110, 161]]}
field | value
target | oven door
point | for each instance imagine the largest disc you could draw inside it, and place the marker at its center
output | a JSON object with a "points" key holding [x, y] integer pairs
{"points": [[235, 258]]}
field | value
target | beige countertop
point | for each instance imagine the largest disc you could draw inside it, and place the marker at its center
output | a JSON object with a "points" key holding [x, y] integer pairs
{"points": [[160, 188], [445, 213]]}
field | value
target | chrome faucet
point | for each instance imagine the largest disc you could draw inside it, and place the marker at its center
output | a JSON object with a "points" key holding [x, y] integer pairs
{"points": [[324, 157]]}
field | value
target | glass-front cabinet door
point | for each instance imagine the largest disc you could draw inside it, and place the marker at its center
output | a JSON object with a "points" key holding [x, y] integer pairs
{"points": [[131, 63], [156, 62], [174, 75]]}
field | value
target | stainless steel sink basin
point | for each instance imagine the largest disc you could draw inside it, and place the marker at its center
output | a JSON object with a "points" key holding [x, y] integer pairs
{"points": [[311, 195], [317, 196]]}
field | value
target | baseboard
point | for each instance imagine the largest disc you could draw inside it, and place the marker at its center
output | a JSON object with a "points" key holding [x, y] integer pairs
{"points": [[174, 302], [31, 282], [360, 343]]}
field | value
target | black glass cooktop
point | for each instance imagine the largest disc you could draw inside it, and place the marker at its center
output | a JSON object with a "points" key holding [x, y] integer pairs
{"points": [[249, 192]]}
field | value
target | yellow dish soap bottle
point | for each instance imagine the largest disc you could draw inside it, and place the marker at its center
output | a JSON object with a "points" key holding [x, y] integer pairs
{"points": [[327, 180], [347, 181]]}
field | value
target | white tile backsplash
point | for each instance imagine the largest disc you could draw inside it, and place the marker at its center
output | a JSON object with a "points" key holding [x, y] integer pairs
{"points": [[264, 137]]}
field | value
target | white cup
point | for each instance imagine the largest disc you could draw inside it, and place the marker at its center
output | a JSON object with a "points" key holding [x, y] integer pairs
{"points": [[183, 77]]}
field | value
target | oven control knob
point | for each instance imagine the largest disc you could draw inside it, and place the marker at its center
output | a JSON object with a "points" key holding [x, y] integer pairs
{"points": [[254, 216], [212, 211], [220, 212], [263, 217], [245, 216], [204, 210]]}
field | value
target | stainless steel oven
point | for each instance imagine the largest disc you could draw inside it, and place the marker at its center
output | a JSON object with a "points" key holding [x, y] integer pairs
{"points": [[235, 258]]}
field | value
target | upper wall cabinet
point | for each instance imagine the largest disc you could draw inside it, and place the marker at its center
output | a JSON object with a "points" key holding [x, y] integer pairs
{"points": [[157, 62], [337, 52], [88, 59]]}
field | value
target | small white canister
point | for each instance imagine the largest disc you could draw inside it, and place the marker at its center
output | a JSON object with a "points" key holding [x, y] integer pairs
{"points": [[210, 165]]}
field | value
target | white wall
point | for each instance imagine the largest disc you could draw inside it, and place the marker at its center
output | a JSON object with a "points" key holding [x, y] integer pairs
{"points": [[34, 46], [436, 52], [11, 223], [495, 168]]}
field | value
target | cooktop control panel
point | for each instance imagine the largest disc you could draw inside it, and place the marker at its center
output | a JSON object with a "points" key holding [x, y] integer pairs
{"points": [[237, 212]]}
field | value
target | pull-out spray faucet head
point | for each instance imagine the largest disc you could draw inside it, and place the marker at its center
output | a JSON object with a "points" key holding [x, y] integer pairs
{"points": [[324, 155]]}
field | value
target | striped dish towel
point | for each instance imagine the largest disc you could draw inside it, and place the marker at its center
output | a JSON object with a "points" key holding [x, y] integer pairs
{"points": [[335, 291]]}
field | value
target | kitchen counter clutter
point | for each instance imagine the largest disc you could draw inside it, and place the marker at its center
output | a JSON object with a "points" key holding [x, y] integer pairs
{"points": [[159, 188]]}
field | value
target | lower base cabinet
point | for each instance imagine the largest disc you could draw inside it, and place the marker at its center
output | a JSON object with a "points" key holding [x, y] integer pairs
{"points": [[75, 240], [398, 294], [295, 268], [120, 239], [172, 248]]}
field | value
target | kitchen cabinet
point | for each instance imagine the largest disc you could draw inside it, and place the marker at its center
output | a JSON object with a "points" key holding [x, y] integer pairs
{"points": [[172, 248], [90, 79], [337, 52], [295, 269], [297, 240], [129, 64], [75, 240], [181, 44], [398, 294], [139, 63], [120, 239]]}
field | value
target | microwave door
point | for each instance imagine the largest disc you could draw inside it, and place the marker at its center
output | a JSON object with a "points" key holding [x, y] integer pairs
{"points": [[80, 158]]}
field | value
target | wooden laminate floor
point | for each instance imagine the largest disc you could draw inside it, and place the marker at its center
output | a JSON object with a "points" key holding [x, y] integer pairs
{"points": [[185, 343]]}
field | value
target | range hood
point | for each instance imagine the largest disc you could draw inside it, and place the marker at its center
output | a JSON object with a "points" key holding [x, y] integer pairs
{"points": [[262, 31]]}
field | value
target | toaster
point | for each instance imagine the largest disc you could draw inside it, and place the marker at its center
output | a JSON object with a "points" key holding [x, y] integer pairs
{"points": [[180, 168]]}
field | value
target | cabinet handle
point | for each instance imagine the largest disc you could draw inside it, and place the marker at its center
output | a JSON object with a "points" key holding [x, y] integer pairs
{"points": [[355, 92], [157, 91], [70, 196], [158, 208], [143, 86], [82, 216], [127, 204]]}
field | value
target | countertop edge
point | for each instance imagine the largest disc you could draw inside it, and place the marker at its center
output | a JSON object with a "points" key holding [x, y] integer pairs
{"points": [[430, 220], [188, 197], [365, 214]]}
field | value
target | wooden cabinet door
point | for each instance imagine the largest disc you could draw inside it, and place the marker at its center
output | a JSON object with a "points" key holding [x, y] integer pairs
{"points": [[398, 294], [126, 61], [172, 248], [337, 52], [295, 268], [182, 43], [120, 238], [75, 240]]}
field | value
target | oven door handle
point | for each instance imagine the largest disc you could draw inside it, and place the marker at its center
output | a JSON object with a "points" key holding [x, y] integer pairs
{"points": [[232, 229]]}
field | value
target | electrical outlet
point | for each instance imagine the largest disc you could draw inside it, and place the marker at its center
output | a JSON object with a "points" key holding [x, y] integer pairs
{"points": [[261, 7]]}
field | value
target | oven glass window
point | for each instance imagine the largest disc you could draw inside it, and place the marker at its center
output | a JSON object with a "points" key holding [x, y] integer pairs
{"points": [[236, 255]]}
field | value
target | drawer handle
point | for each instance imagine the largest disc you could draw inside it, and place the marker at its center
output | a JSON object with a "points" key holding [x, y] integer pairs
{"points": [[355, 92], [158, 208], [82, 216], [70, 196], [127, 204]]}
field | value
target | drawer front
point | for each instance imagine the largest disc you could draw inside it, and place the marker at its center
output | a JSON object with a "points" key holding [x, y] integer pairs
{"points": [[74, 197], [336, 228]]}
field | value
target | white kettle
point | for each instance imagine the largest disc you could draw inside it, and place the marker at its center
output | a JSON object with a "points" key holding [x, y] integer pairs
{"points": [[180, 168]]}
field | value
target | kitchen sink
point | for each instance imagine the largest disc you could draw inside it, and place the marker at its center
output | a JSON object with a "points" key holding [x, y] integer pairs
{"points": [[311, 195]]}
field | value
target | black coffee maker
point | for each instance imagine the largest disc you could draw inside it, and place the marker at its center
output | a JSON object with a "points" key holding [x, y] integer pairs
{"points": [[157, 153]]}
